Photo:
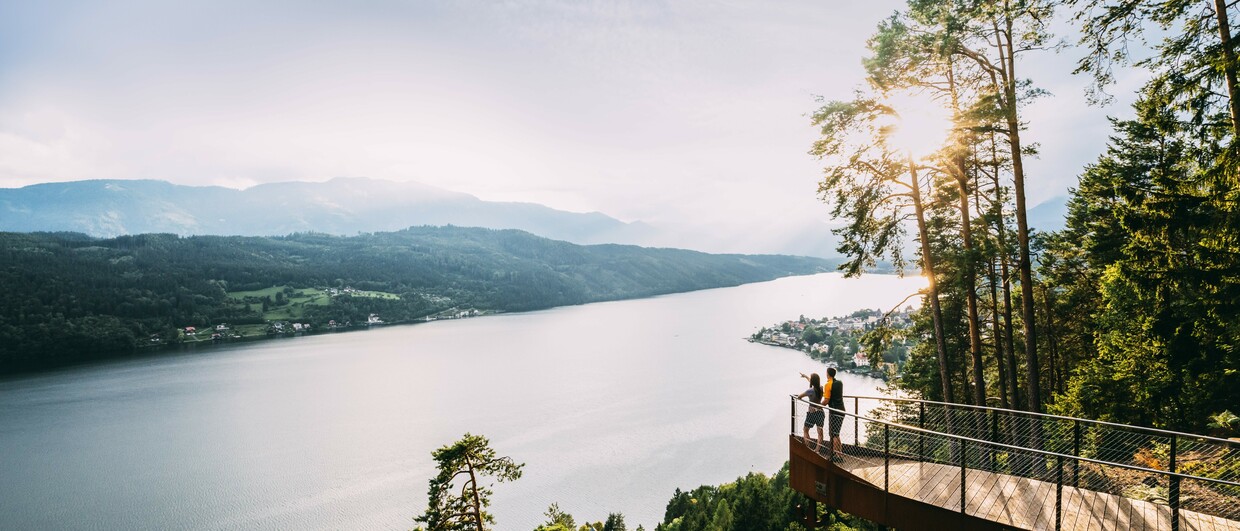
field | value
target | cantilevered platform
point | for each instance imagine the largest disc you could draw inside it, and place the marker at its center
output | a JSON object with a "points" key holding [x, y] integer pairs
{"points": [[912, 478]]}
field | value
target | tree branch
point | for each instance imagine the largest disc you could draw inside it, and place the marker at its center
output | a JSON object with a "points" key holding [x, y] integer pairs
{"points": [[977, 58]]}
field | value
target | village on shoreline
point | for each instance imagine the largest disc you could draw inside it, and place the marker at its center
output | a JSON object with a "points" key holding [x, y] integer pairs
{"points": [[837, 341], [284, 312]]}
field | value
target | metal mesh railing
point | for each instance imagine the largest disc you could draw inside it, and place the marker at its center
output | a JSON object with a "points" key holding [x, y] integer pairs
{"points": [[1114, 443], [1037, 471]]}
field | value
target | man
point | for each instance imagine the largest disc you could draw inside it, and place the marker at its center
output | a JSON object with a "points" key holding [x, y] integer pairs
{"points": [[833, 390]]}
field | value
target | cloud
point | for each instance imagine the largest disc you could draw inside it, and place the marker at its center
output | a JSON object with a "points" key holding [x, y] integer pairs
{"points": [[40, 144], [685, 113]]}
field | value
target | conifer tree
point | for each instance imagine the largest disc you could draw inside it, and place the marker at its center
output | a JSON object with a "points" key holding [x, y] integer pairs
{"points": [[457, 499]]}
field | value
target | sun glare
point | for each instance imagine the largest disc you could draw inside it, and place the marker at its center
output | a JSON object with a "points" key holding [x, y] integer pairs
{"points": [[921, 126]]}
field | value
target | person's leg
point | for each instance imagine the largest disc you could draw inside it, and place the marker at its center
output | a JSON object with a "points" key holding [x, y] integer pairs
{"points": [[806, 439], [837, 422], [820, 443]]}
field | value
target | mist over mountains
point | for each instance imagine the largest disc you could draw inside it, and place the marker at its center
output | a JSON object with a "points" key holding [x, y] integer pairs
{"points": [[343, 206], [347, 206]]}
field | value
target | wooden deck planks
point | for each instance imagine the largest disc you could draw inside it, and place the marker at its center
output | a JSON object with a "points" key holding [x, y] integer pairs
{"points": [[1026, 503]]}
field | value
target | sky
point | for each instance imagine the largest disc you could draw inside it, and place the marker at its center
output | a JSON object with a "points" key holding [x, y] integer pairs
{"points": [[683, 114]]}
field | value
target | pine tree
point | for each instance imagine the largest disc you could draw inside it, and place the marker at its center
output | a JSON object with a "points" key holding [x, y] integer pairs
{"points": [[457, 500]]}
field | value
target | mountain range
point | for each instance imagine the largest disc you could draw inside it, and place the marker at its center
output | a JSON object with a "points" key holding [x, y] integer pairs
{"points": [[347, 206], [342, 206]]}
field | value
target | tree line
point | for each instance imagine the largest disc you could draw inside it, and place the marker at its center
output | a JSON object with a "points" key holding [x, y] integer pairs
{"points": [[70, 297], [1128, 314], [459, 498]]}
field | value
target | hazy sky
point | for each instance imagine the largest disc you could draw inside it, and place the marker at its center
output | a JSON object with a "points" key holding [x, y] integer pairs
{"points": [[681, 113]]}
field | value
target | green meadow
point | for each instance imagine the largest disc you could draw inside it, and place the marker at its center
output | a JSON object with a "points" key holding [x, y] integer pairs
{"points": [[285, 303]]}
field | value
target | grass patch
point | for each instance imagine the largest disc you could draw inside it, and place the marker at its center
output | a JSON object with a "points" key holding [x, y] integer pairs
{"points": [[295, 300], [290, 293], [251, 330]]}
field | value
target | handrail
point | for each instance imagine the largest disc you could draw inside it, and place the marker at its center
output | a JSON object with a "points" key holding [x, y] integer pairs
{"points": [[1021, 448], [1048, 415]]}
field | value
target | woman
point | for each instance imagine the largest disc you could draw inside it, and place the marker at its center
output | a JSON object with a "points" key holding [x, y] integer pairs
{"points": [[815, 416]]}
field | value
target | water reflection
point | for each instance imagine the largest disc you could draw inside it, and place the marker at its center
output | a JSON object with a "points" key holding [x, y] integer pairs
{"points": [[611, 406]]}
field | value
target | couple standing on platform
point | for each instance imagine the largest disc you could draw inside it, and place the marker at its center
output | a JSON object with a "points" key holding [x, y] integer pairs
{"points": [[833, 391]]}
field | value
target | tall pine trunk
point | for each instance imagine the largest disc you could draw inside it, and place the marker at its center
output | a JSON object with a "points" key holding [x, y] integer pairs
{"points": [[992, 281], [1009, 336], [1005, 276], [1025, 266], [475, 501], [1007, 388], [969, 275], [1229, 64], [1052, 342], [927, 260], [1000, 364]]}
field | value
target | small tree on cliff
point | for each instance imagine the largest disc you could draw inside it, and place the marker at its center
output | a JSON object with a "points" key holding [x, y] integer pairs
{"points": [[457, 499]]}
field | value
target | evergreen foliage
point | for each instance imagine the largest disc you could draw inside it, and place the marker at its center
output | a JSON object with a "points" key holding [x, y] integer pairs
{"points": [[558, 520], [1130, 313], [753, 502], [463, 465], [71, 298], [1160, 275]]}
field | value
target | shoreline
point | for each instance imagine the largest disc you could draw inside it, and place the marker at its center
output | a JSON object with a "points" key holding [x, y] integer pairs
{"points": [[148, 350], [850, 368], [188, 347]]}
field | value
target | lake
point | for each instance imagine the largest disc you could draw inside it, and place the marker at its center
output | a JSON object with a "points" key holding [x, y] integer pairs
{"points": [[611, 406]]}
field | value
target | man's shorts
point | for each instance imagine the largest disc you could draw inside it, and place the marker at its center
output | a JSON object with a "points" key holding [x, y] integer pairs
{"points": [[837, 421]]}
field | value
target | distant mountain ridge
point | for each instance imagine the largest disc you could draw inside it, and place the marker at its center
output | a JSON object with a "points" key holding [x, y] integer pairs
{"points": [[1050, 215], [343, 206]]}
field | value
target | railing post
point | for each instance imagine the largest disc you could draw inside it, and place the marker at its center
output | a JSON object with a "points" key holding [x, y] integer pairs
{"points": [[921, 436], [856, 424], [1076, 452], [886, 457], [994, 438], [794, 416], [964, 451], [994, 426], [1173, 488], [1058, 492]]}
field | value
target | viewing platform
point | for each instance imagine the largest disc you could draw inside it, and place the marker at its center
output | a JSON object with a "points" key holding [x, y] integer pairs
{"points": [[916, 464]]}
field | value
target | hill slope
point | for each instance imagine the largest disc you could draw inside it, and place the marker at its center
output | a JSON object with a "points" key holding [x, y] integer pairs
{"points": [[71, 297]]}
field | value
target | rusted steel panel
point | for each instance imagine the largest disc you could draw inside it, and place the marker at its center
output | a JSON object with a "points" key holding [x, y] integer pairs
{"points": [[817, 477]]}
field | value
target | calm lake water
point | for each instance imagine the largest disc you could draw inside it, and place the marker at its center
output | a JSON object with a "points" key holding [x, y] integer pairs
{"points": [[611, 406]]}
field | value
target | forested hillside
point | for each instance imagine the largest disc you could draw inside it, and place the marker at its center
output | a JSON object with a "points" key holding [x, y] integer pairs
{"points": [[70, 297], [1131, 312]]}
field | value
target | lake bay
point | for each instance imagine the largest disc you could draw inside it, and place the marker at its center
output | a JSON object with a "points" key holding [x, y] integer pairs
{"points": [[611, 406]]}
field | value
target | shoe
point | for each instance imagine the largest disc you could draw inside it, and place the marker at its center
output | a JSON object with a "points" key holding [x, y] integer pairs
{"points": [[837, 459]]}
